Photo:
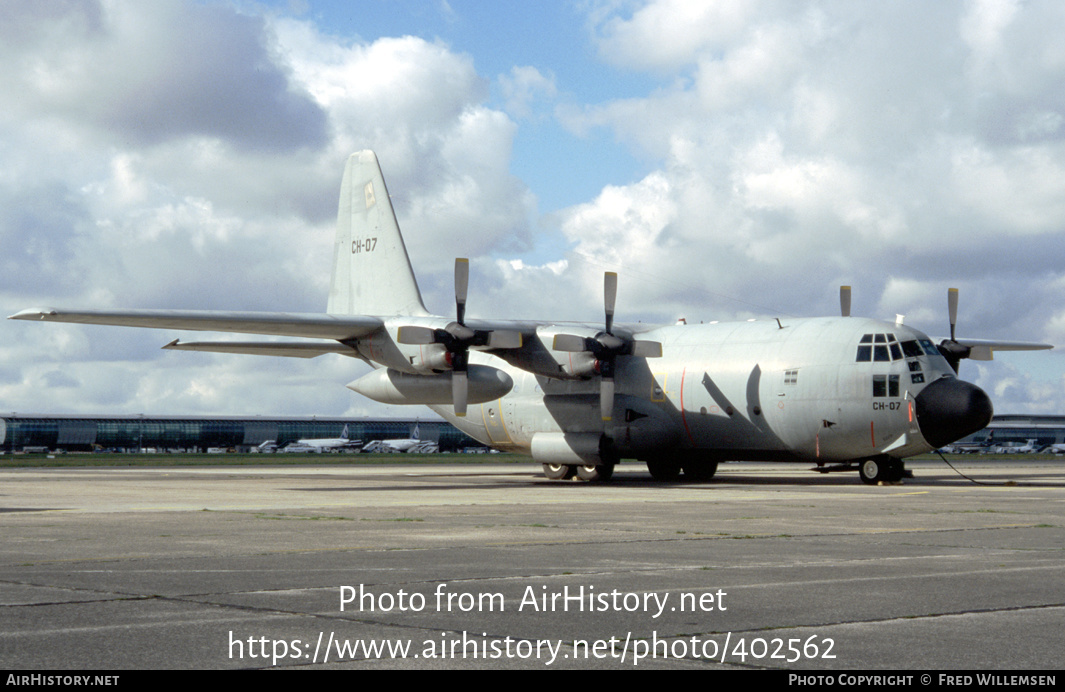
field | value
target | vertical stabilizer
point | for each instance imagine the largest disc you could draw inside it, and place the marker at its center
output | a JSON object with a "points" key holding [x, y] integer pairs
{"points": [[372, 274]]}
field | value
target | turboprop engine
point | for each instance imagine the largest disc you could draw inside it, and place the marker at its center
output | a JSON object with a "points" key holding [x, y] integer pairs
{"points": [[389, 386]]}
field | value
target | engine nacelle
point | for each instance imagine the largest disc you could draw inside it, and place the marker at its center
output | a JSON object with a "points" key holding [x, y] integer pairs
{"points": [[389, 386]]}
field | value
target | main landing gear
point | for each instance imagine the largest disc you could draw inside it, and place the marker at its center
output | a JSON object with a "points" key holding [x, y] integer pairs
{"points": [[586, 472], [663, 470]]}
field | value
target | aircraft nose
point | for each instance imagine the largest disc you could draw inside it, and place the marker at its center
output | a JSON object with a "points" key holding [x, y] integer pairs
{"points": [[949, 409]]}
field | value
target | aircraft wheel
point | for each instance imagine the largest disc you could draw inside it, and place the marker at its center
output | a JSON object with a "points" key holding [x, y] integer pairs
{"points": [[664, 470], [700, 471], [558, 472], [872, 471], [595, 474]]}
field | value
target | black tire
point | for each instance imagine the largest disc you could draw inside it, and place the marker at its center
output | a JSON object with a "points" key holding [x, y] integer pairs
{"points": [[871, 471], [893, 471], [661, 470], [700, 471], [558, 472], [595, 474], [888, 470]]}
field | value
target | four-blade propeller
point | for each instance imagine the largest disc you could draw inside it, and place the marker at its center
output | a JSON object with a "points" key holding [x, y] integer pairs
{"points": [[606, 347], [457, 339]]}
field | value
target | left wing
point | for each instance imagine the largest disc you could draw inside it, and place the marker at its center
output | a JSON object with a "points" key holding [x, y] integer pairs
{"points": [[290, 349], [313, 326]]}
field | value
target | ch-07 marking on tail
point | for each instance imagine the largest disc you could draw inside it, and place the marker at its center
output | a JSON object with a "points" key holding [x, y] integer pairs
{"points": [[580, 398], [363, 245]]}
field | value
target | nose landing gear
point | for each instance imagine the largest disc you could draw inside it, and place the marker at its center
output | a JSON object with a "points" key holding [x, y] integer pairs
{"points": [[877, 469]]}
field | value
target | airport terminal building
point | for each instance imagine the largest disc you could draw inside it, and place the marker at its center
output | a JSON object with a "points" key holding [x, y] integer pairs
{"points": [[81, 433], [1020, 429]]}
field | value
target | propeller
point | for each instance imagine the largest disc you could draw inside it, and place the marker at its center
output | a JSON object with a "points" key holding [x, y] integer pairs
{"points": [[457, 338], [950, 348], [606, 347], [845, 301]]}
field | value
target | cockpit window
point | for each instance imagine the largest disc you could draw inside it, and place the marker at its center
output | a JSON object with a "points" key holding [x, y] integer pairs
{"points": [[929, 347], [880, 348], [912, 349], [886, 348]]}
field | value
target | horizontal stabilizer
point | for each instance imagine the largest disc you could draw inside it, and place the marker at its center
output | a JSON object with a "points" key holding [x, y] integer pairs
{"points": [[314, 326], [288, 349]]}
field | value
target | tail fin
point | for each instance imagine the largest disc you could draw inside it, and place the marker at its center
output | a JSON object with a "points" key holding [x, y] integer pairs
{"points": [[372, 274]]}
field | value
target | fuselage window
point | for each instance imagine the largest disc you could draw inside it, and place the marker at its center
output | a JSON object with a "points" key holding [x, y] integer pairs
{"points": [[885, 385]]}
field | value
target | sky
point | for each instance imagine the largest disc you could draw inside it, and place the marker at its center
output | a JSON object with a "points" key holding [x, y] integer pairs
{"points": [[730, 160]]}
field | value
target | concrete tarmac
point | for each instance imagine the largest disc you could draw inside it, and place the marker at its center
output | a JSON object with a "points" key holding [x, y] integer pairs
{"points": [[493, 566]]}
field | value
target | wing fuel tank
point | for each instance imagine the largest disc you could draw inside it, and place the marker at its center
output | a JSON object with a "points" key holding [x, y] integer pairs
{"points": [[389, 386]]}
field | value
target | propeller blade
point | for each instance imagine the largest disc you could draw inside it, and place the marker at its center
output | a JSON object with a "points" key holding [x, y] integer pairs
{"points": [[606, 398], [462, 287], [569, 343], [460, 363], [459, 391], [952, 308], [845, 301], [610, 296]]}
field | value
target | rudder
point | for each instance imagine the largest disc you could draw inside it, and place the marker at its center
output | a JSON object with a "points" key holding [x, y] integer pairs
{"points": [[372, 274]]}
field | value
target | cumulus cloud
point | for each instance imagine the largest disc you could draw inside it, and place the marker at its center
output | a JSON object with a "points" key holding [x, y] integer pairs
{"points": [[186, 155], [524, 88], [151, 73]]}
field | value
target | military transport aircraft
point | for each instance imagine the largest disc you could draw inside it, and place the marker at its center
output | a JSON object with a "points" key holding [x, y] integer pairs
{"points": [[841, 392]]}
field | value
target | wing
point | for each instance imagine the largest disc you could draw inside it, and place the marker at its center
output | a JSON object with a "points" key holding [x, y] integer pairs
{"points": [[289, 349], [984, 349], [313, 326]]}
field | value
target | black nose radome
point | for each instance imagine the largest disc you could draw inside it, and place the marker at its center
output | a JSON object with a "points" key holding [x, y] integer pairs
{"points": [[949, 409]]}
